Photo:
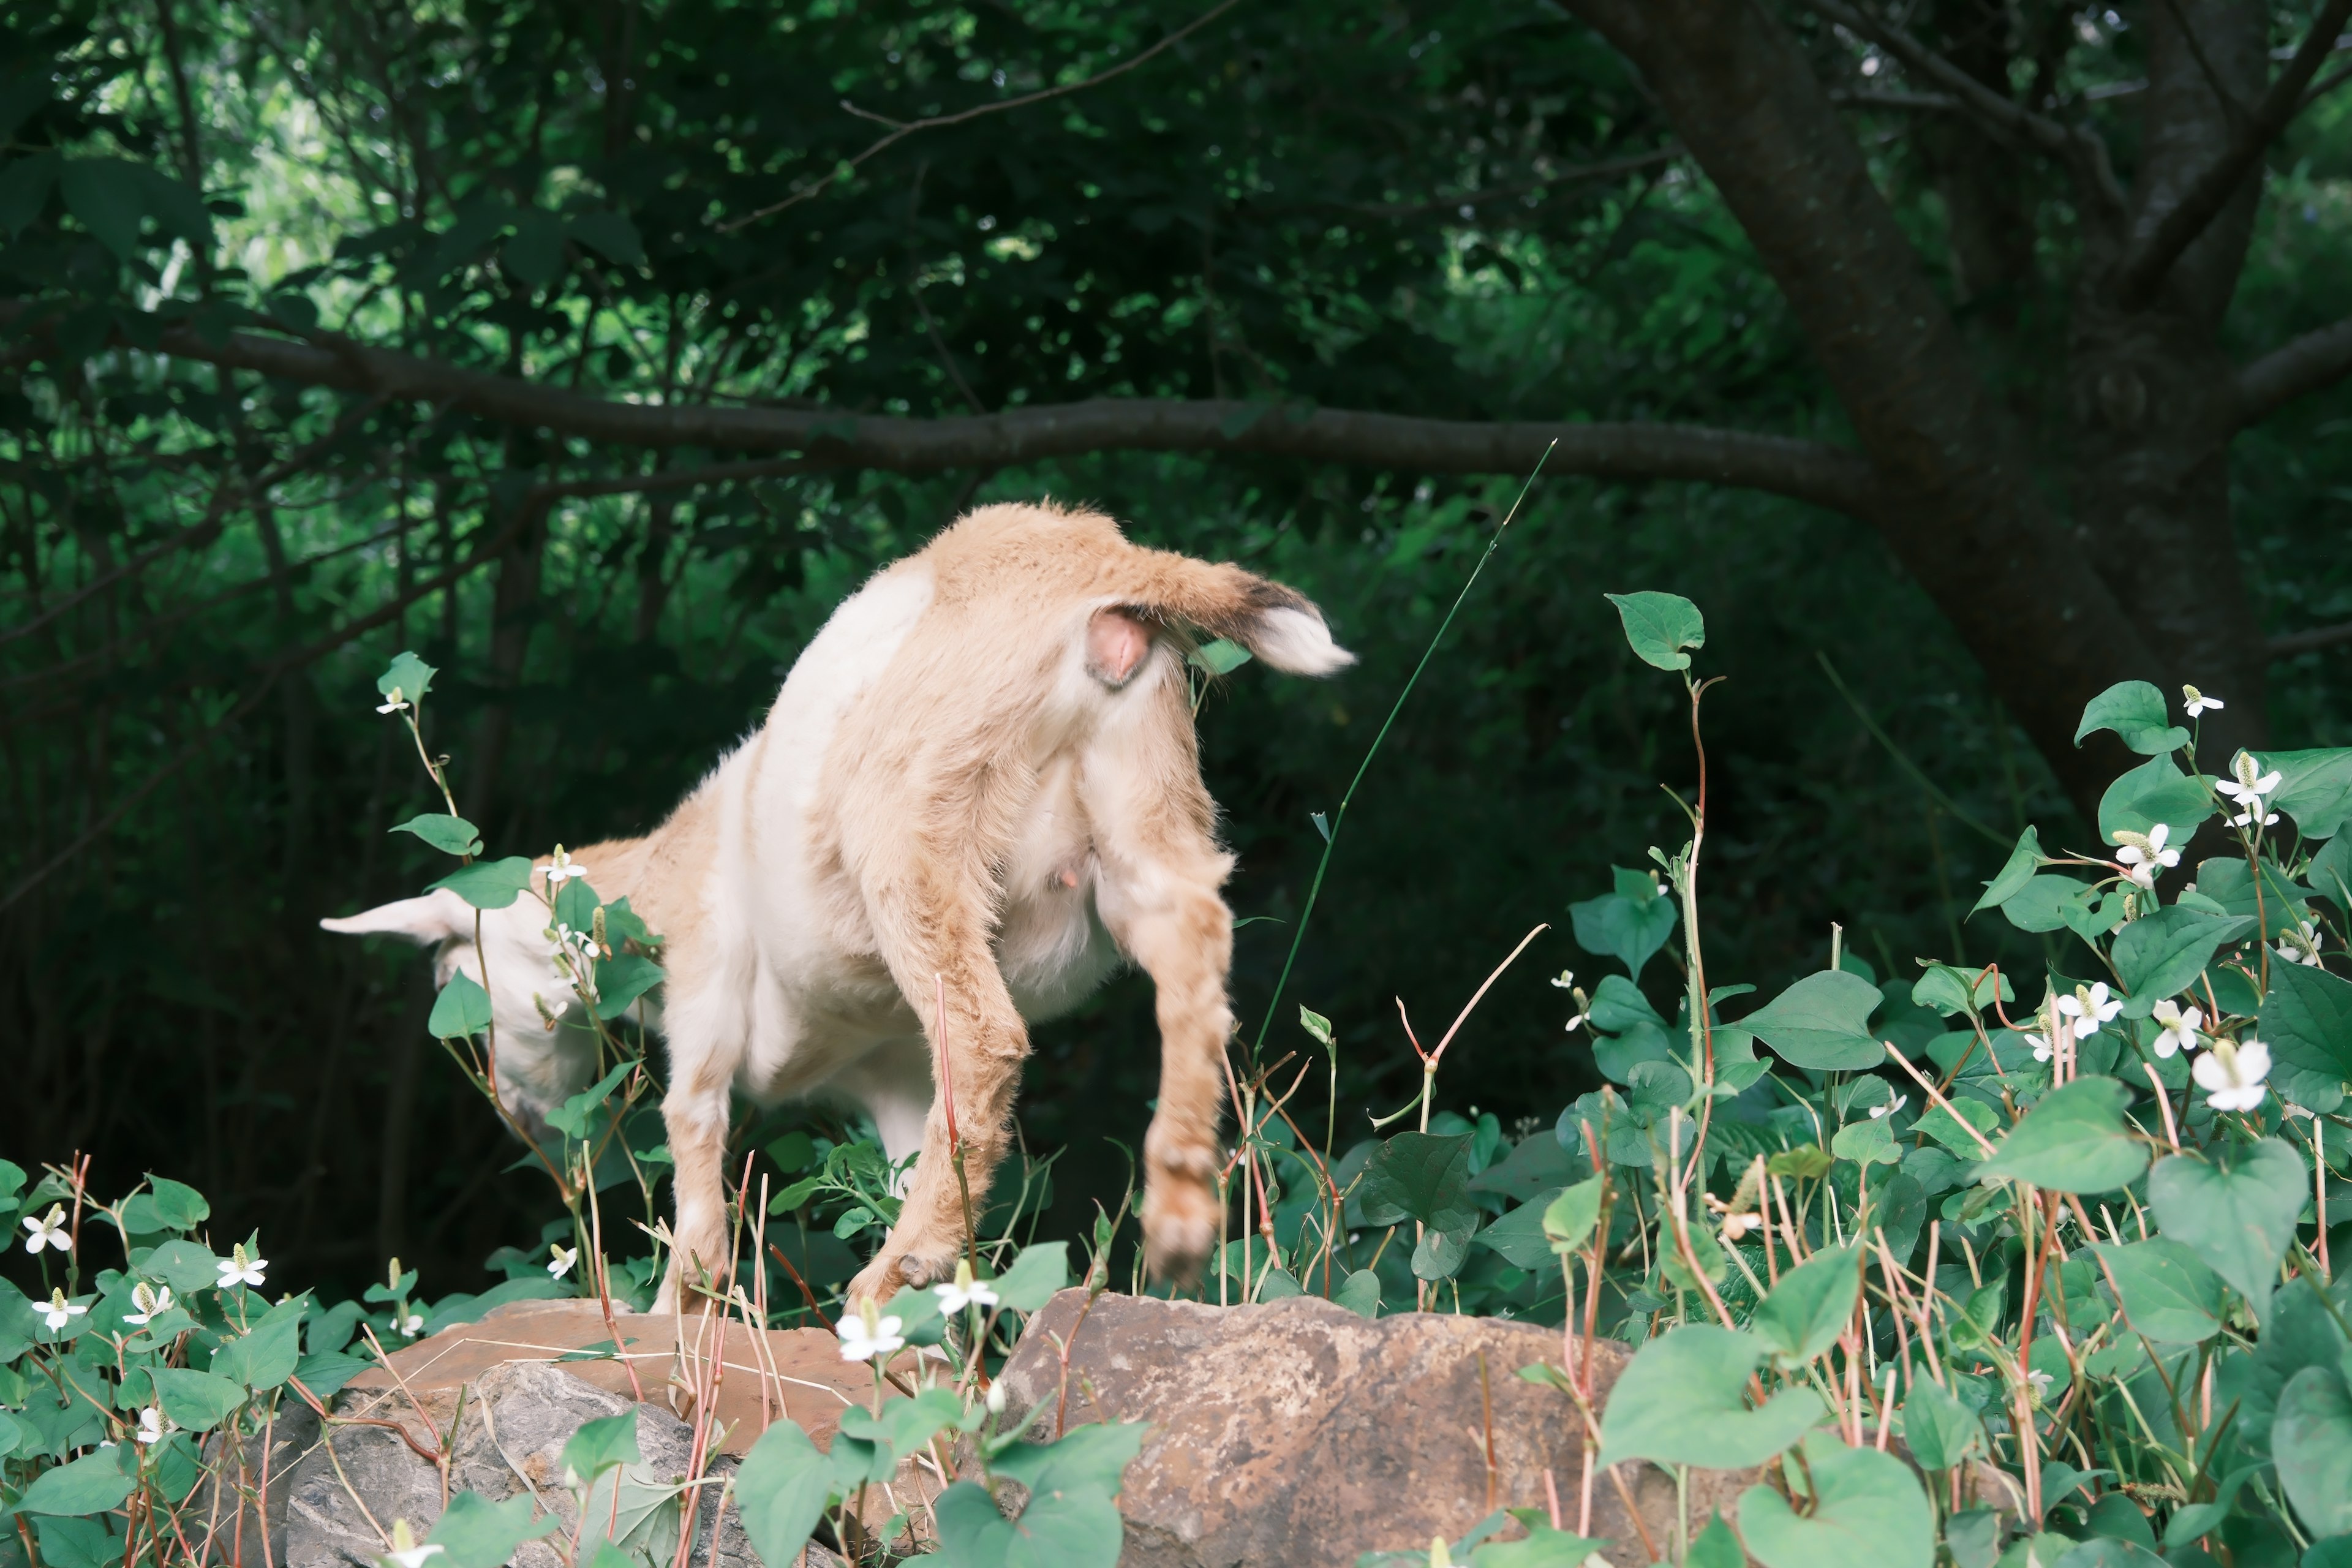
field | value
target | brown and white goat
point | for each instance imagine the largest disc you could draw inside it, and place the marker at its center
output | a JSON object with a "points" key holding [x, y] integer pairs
{"points": [[981, 780]]}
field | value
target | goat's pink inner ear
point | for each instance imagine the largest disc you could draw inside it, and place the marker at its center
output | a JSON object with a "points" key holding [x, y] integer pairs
{"points": [[1116, 644]]}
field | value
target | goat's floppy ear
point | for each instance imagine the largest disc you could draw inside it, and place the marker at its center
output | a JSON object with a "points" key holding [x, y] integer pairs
{"points": [[436, 917]]}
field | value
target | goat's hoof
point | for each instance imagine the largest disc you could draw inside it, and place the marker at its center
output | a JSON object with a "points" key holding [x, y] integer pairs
{"points": [[1179, 1228]]}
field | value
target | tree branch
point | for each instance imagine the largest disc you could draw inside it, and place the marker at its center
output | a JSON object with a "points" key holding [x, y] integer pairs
{"points": [[2294, 642], [2145, 269], [2317, 360], [1814, 471], [2078, 148]]}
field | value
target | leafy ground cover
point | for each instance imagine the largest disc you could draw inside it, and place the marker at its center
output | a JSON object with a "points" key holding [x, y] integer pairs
{"points": [[1982, 1266]]}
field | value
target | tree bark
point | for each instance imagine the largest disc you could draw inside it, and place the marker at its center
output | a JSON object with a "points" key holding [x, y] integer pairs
{"points": [[1959, 504], [2153, 396]]}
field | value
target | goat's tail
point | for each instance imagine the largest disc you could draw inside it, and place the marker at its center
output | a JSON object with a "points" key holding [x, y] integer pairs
{"points": [[1276, 623]]}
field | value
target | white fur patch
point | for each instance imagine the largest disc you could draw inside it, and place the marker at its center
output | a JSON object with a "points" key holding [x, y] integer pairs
{"points": [[1296, 642]]}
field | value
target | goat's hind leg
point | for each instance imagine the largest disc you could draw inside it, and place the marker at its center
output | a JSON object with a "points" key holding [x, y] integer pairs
{"points": [[706, 1041], [933, 937]]}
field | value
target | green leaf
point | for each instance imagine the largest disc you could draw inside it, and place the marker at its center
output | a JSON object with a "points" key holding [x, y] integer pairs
{"points": [[2238, 1220], [2135, 711], [2168, 1292], [462, 1009], [1822, 1022], [1659, 626], [2310, 1440], [2315, 788], [2072, 1140], [1520, 1235], [2156, 791], [615, 238], [264, 1356], [185, 1266], [489, 884], [2306, 1020], [1221, 656], [622, 979], [1570, 1218], [454, 834], [1811, 1305], [1418, 1176], [1941, 1430], [1544, 1547], [1630, 923], [1036, 1275], [198, 1401], [326, 1374], [25, 188], [535, 254], [1868, 1512], [2045, 902], [2105, 1552], [1093, 1457], [92, 1484], [109, 196], [477, 224], [178, 209], [1682, 1402], [782, 1492], [1951, 991], [475, 1532], [1944, 1126], [599, 1446], [1867, 1141], [177, 1204], [407, 675], [2014, 872], [1360, 1293], [2161, 955]]}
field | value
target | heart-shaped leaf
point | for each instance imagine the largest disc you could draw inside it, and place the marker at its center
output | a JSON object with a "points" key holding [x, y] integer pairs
{"points": [[1682, 1401], [1658, 626], [1822, 1022], [2072, 1140], [1868, 1512], [2238, 1219]]}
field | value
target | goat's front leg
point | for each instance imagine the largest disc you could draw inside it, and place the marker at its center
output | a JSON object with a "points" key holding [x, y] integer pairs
{"points": [[983, 1047]]}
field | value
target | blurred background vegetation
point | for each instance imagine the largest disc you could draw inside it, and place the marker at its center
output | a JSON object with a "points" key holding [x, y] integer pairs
{"points": [[1471, 211]]}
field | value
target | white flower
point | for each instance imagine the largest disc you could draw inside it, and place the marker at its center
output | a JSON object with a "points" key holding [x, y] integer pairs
{"points": [[2090, 1006], [2144, 853], [58, 1311], [1565, 979], [1888, 1110], [563, 869], [2042, 1049], [2040, 1381], [238, 1269], [415, 1556], [996, 1399], [2301, 946], [2181, 1026], [865, 1336], [1736, 1226], [412, 1325], [561, 1264], [2199, 703], [2249, 787], [393, 703], [1574, 1019], [2231, 1076], [152, 1428], [49, 1231], [965, 1292], [151, 1301]]}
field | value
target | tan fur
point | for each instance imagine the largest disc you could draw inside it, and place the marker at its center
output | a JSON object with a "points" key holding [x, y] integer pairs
{"points": [[973, 810]]}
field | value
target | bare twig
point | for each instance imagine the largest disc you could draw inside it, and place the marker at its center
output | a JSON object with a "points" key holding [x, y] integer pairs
{"points": [[901, 129]]}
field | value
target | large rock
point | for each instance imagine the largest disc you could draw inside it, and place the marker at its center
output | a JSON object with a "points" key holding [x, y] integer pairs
{"points": [[1298, 1434], [797, 1373], [499, 1394]]}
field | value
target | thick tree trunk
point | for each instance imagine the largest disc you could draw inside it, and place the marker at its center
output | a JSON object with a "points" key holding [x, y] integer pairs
{"points": [[1964, 512], [2153, 395]]}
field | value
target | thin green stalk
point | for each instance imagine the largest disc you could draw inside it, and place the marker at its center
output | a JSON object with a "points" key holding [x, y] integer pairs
{"points": [[1331, 838]]}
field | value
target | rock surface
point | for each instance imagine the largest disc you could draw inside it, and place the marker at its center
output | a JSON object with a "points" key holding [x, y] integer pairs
{"points": [[1298, 1434], [498, 1388], [797, 1373]]}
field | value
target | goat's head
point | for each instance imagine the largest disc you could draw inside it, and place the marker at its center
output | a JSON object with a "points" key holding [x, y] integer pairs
{"points": [[537, 1068]]}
